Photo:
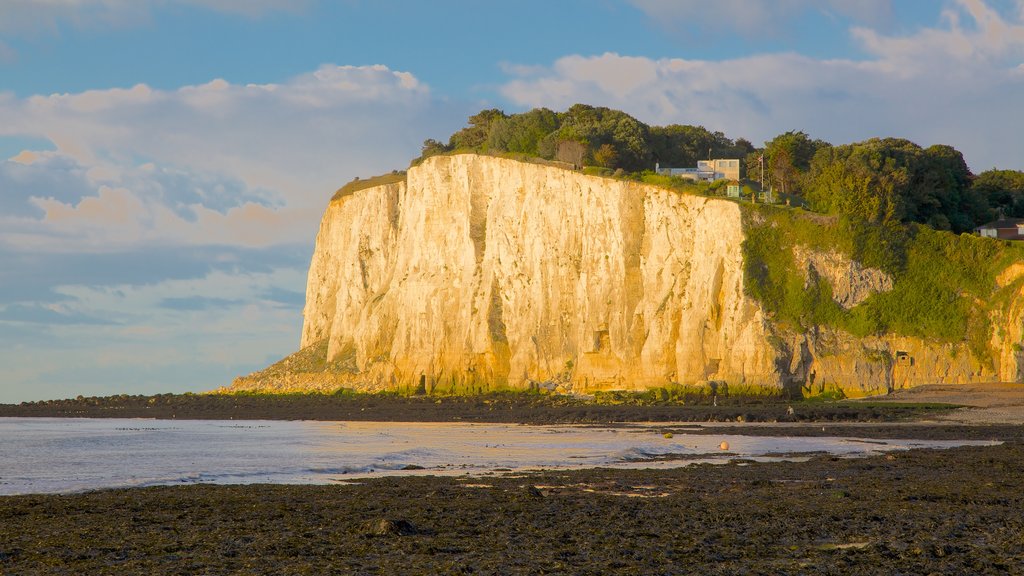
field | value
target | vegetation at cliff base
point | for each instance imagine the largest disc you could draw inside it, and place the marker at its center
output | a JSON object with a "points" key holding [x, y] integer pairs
{"points": [[683, 404]]}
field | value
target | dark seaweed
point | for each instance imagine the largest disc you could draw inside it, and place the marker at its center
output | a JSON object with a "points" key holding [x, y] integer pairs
{"points": [[499, 408], [956, 511]]}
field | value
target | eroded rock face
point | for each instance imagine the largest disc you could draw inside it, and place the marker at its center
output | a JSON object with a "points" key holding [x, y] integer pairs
{"points": [[825, 359], [852, 282], [480, 272], [483, 271]]}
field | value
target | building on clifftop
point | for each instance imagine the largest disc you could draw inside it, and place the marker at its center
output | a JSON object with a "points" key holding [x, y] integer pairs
{"points": [[1004, 229], [706, 170]]}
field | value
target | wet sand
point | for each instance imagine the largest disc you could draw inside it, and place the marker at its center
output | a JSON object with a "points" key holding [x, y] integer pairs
{"points": [[995, 403]]}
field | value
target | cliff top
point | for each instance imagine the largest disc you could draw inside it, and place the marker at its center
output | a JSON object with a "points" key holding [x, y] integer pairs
{"points": [[358, 184]]}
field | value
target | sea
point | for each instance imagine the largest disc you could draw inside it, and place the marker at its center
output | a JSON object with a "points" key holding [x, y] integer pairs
{"points": [[68, 455]]}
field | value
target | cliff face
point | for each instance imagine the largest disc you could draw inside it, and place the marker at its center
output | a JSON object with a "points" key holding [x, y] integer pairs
{"points": [[481, 272]]}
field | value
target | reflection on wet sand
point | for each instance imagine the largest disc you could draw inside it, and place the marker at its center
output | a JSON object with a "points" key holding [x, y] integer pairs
{"points": [[55, 455]]}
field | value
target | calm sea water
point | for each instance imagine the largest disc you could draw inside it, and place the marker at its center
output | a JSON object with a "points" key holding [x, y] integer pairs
{"points": [[58, 455]]}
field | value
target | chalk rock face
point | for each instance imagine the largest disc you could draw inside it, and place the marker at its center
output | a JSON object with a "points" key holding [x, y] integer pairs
{"points": [[1008, 320], [480, 272]]}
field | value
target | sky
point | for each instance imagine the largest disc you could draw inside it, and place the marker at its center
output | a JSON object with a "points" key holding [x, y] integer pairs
{"points": [[164, 163]]}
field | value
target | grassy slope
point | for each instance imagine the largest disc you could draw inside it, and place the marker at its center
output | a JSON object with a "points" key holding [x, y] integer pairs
{"points": [[944, 284], [360, 184]]}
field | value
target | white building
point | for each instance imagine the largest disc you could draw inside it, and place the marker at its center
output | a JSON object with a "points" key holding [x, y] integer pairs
{"points": [[706, 170]]}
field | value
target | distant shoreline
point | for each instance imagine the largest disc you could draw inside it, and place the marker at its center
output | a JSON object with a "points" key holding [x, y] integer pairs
{"points": [[520, 408], [752, 416]]}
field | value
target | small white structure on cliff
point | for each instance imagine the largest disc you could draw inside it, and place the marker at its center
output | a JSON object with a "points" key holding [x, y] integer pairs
{"points": [[706, 170]]}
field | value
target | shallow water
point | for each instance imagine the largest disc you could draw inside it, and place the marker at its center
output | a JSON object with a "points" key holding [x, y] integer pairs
{"points": [[58, 455]]}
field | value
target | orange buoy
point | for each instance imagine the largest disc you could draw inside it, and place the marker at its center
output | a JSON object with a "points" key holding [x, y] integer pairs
{"points": [[724, 445]]}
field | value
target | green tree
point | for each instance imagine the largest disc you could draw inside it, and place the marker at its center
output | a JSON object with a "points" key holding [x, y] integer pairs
{"points": [[680, 146], [596, 126], [788, 158], [858, 181], [474, 136], [892, 179], [522, 132], [1003, 192], [432, 147], [939, 194]]}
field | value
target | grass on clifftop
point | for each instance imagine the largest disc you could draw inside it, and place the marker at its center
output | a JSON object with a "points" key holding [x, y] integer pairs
{"points": [[944, 284], [358, 184]]}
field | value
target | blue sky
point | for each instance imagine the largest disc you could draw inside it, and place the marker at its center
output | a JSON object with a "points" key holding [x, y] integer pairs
{"points": [[164, 163]]}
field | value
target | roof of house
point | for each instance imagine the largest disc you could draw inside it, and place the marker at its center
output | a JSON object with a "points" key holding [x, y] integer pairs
{"points": [[1002, 223]]}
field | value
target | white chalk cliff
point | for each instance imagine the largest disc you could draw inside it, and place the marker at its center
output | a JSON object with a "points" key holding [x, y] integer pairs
{"points": [[481, 272]]}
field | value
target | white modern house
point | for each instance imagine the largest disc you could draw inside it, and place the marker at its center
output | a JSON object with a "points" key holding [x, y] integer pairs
{"points": [[706, 170]]}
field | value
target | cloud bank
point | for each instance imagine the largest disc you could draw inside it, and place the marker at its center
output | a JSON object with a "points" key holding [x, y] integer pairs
{"points": [[756, 17], [219, 163], [958, 83], [167, 232]]}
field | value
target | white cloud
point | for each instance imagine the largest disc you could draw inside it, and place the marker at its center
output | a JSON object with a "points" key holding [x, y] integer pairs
{"points": [[957, 84], [113, 208], [756, 17], [217, 163], [128, 338], [269, 135], [171, 228], [975, 34]]}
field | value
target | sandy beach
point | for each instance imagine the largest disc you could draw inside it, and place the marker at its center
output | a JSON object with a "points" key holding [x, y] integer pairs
{"points": [[996, 403]]}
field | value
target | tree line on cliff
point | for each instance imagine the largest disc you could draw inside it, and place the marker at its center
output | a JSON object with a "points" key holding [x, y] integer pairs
{"points": [[880, 180]]}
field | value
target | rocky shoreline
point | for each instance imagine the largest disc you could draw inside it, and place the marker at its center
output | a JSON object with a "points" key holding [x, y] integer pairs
{"points": [[954, 511], [521, 408]]}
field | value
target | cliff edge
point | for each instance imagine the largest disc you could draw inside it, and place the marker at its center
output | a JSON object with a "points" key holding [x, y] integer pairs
{"points": [[480, 272]]}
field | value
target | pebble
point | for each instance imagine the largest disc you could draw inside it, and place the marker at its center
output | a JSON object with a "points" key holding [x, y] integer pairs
{"points": [[387, 527]]}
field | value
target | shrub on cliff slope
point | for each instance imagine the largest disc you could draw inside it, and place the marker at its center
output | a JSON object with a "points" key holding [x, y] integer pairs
{"points": [[944, 285]]}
